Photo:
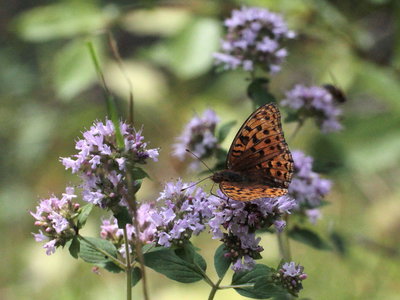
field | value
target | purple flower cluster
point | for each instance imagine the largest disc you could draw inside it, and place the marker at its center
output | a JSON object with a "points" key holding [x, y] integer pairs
{"points": [[307, 187], [55, 218], [235, 223], [315, 101], [198, 136], [111, 232], [102, 165], [253, 39], [290, 276], [181, 214]]}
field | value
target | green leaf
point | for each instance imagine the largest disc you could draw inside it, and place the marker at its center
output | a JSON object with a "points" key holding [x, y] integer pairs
{"points": [[258, 92], [123, 217], [137, 184], [74, 247], [136, 276], [187, 252], [84, 214], [171, 265], [62, 20], [260, 276], [224, 130], [338, 242], [72, 69], [309, 238], [221, 263], [189, 54], [89, 252], [138, 173]]}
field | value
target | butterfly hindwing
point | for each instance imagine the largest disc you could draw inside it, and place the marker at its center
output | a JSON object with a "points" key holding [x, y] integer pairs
{"points": [[241, 192]]}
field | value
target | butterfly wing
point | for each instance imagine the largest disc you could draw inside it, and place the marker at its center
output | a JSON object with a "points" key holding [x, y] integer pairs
{"points": [[244, 192], [259, 151]]}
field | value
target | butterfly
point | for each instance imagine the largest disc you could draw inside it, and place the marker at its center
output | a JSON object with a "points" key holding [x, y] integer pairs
{"points": [[259, 163]]}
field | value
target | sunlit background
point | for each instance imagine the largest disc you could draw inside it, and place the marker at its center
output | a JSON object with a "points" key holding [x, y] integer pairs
{"points": [[49, 94]]}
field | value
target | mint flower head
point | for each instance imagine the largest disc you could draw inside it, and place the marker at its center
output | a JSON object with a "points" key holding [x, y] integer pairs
{"points": [[307, 187], [316, 102], [290, 276], [253, 40], [235, 223], [55, 219], [111, 232], [102, 165], [180, 214], [198, 136]]}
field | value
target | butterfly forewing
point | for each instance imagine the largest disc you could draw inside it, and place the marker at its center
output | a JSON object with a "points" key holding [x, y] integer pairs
{"points": [[260, 129], [259, 152]]}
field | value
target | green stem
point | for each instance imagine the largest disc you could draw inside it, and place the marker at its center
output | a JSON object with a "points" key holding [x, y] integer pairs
{"points": [[236, 286], [105, 253], [300, 124], [214, 289], [138, 245], [283, 242], [205, 276], [128, 267]]}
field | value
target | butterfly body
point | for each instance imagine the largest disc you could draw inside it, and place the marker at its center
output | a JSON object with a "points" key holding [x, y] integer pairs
{"points": [[259, 163]]}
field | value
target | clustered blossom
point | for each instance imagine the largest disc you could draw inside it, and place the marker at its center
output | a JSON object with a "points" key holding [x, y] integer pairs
{"points": [[55, 218], [102, 165], [111, 232], [181, 214], [254, 39], [235, 223], [307, 187], [198, 136], [315, 101], [290, 276]]}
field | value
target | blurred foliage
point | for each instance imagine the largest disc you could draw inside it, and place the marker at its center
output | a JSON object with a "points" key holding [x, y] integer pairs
{"points": [[49, 93]]}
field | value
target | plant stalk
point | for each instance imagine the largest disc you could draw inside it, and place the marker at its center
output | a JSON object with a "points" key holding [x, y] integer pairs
{"points": [[128, 267], [214, 289], [138, 245], [283, 242]]}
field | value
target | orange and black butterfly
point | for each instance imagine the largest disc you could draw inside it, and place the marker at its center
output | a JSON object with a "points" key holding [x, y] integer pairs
{"points": [[259, 163]]}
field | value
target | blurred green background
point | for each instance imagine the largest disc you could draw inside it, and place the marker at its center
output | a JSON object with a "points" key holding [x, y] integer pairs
{"points": [[49, 94]]}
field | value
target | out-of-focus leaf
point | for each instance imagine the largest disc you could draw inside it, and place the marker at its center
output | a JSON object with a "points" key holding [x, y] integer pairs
{"points": [[309, 238], [380, 82], [338, 242], [73, 69], [149, 83], [165, 21], [366, 156], [223, 131], [189, 53], [258, 92], [62, 20]]}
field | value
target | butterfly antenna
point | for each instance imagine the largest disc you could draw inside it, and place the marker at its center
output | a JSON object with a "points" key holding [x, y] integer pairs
{"points": [[187, 150], [196, 183]]}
